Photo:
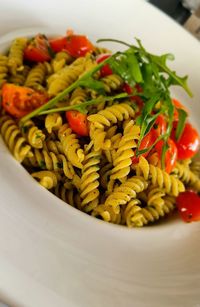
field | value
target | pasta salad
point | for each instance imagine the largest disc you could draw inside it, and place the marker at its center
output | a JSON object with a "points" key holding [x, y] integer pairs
{"points": [[100, 130]]}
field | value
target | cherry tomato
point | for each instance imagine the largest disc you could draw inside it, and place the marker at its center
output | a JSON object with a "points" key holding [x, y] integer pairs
{"points": [[160, 125], [78, 122], [189, 142], [105, 70], [188, 204], [19, 100], [38, 50], [170, 155], [137, 99], [178, 105], [75, 45], [146, 142]]}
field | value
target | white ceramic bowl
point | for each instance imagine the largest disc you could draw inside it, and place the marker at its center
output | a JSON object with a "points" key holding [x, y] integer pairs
{"points": [[54, 255]]}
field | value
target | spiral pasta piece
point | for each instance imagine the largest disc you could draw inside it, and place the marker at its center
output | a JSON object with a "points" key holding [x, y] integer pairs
{"points": [[66, 76], [71, 146], [105, 118], [13, 138], [137, 216], [107, 214], [67, 167], [155, 197], [104, 173], [98, 136], [122, 160], [45, 160], [79, 95], [36, 77], [20, 77], [187, 176], [100, 50], [183, 172], [60, 60], [125, 192], [3, 69], [34, 136], [160, 178], [46, 179], [90, 180], [195, 168], [53, 162], [54, 145], [68, 194], [112, 83], [132, 211], [111, 115], [16, 54], [53, 122], [155, 200]]}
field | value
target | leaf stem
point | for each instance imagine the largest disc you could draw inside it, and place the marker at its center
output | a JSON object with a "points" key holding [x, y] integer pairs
{"points": [[81, 106], [63, 94], [115, 41]]}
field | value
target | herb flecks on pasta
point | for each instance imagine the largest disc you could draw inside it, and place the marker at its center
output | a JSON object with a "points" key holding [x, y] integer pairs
{"points": [[100, 130]]}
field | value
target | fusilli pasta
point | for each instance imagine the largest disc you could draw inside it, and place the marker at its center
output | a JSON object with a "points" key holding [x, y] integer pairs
{"points": [[97, 128]]}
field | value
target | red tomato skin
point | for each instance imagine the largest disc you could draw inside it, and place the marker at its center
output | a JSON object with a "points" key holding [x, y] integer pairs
{"points": [[170, 155], [105, 70], [75, 45], [127, 88], [178, 105], [160, 125], [78, 122], [146, 142], [189, 142], [188, 204], [34, 55], [58, 44], [38, 50], [137, 99], [20, 100]]}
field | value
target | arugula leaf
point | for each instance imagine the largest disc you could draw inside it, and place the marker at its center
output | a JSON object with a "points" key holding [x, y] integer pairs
{"points": [[64, 93], [93, 84], [82, 107], [134, 67], [147, 119], [182, 116], [160, 61], [164, 150]]}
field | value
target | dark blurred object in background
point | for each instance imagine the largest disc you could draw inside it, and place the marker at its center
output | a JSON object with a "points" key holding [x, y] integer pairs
{"points": [[185, 12], [173, 8]]}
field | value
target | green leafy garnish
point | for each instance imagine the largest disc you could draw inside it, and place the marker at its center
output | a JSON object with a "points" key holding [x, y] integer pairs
{"points": [[51, 103], [136, 66], [82, 107], [182, 116]]}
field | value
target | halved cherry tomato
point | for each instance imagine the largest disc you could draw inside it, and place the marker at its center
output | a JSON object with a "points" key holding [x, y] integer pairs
{"points": [[170, 155], [178, 105], [137, 99], [160, 125], [189, 142], [75, 45], [146, 142], [158, 128], [78, 122], [19, 100], [188, 204], [38, 50], [105, 70]]}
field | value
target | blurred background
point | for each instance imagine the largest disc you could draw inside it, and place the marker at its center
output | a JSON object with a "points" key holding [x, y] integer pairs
{"points": [[185, 12]]}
